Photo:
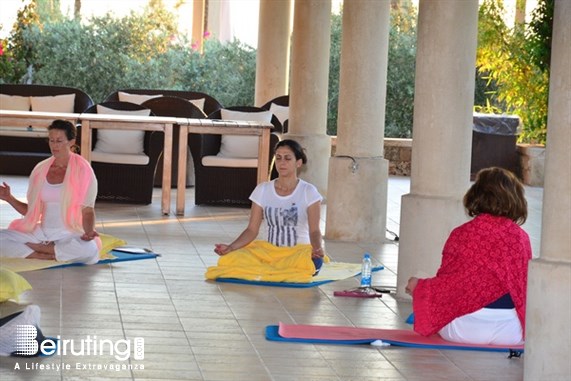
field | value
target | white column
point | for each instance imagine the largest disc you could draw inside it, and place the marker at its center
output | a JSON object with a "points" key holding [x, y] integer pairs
{"points": [[442, 134], [309, 86], [358, 183], [198, 23], [548, 337], [272, 57]]}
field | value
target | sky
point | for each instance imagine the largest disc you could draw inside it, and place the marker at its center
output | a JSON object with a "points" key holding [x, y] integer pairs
{"points": [[242, 26]]}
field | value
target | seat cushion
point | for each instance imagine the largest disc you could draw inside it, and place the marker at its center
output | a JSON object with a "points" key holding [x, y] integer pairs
{"points": [[119, 158], [14, 102], [198, 103], [120, 141], [57, 103], [241, 146], [136, 98], [12, 285], [281, 112], [220, 161]]}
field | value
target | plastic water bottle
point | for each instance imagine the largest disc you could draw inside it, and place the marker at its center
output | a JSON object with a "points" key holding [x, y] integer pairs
{"points": [[366, 271]]}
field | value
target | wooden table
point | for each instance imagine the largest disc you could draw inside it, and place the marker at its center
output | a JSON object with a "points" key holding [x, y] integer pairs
{"points": [[25, 119], [221, 127], [129, 122]]}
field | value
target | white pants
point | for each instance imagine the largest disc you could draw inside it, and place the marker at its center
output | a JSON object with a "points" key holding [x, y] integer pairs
{"points": [[485, 326], [69, 247]]}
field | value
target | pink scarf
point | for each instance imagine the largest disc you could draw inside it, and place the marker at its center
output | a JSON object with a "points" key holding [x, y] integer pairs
{"points": [[77, 183], [482, 260]]}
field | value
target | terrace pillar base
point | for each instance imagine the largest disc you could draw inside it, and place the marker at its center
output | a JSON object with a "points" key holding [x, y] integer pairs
{"points": [[357, 202]]}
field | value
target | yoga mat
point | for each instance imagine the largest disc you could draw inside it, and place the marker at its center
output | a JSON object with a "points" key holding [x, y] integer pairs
{"points": [[19, 265], [330, 272], [352, 335]]}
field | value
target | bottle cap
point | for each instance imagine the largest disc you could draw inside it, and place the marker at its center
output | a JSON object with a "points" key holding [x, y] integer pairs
{"points": [[367, 255]]}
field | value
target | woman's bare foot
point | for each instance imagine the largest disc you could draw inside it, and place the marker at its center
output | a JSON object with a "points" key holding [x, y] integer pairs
{"points": [[44, 248], [44, 256]]}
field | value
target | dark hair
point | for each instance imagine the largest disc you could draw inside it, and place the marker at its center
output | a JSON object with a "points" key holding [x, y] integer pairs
{"points": [[65, 126], [296, 148], [497, 192], [68, 128]]}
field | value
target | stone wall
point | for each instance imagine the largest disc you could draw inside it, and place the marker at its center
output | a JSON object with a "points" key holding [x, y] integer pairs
{"points": [[532, 161], [398, 152]]}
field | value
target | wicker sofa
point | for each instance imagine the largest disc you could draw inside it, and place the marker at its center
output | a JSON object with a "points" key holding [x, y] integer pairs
{"points": [[21, 150]]}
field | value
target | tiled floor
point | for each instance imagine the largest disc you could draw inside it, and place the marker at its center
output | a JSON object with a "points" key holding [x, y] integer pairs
{"points": [[199, 330]]}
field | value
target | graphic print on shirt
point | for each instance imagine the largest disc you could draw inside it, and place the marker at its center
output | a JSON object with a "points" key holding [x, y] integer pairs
{"points": [[282, 225]]}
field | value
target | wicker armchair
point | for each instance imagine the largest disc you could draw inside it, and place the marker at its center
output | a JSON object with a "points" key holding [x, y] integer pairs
{"points": [[180, 108], [20, 153], [210, 104], [217, 185], [127, 183]]}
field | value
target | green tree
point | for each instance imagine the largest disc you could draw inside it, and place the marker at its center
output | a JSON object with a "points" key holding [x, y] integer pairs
{"points": [[226, 71], [505, 56], [16, 50]]}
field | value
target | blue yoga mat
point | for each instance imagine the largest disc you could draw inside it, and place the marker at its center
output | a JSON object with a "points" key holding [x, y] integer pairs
{"points": [[120, 256], [285, 284], [401, 338], [272, 284]]}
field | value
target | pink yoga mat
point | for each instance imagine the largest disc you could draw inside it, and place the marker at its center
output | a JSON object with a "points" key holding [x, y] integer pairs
{"points": [[335, 333]]}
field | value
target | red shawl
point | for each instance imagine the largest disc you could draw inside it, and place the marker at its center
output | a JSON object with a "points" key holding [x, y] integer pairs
{"points": [[482, 260]]}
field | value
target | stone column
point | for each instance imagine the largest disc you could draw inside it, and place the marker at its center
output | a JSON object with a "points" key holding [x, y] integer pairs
{"points": [[309, 85], [442, 134], [548, 341], [358, 174], [272, 58]]}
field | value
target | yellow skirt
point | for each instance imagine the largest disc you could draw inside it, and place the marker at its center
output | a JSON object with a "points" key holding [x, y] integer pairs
{"points": [[262, 261]]}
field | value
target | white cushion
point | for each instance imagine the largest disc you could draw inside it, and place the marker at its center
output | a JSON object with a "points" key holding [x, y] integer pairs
{"points": [[198, 103], [57, 103], [14, 102], [120, 141], [220, 161], [281, 112], [241, 146], [118, 158], [136, 98]]}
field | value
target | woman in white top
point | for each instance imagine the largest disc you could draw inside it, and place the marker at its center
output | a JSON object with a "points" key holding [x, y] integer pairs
{"points": [[59, 218], [290, 206]]}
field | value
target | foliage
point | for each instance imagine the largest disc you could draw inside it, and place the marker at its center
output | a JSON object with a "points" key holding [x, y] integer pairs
{"points": [[106, 53], [49, 11], [522, 86], [334, 73], [16, 52], [400, 73], [226, 71], [539, 34]]}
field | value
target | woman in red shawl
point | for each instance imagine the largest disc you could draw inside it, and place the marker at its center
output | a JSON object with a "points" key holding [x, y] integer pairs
{"points": [[478, 295]]}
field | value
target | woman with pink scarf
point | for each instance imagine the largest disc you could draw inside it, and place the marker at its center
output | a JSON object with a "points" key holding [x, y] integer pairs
{"points": [[59, 218]]}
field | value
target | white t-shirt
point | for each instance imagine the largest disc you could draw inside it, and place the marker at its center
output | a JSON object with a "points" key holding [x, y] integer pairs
{"points": [[286, 216]]}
